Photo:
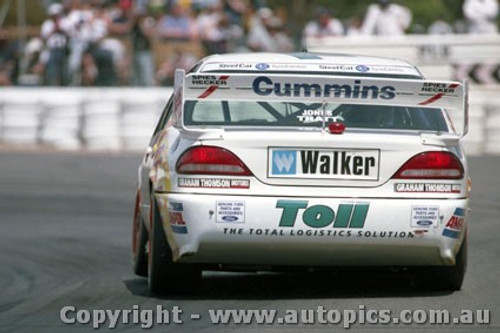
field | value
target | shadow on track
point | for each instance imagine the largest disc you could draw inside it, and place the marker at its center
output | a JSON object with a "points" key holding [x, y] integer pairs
{"points": [[262, 286]]}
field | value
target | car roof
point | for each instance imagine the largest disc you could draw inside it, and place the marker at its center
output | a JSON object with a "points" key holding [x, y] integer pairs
{"points": [[308, 63]]}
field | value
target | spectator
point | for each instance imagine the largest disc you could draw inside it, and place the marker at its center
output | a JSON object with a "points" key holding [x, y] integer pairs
{"points": [[235, 9], [120, 23], [78, 26], [207, 23], [267, 34], [386, 19], [32, 63], [106, 52], [177, 25], [9, 61], [481, 15], [281, 38], [143, 67], [56, 42], [324, 25], [217, 33], [354, 27], [440, 27]]}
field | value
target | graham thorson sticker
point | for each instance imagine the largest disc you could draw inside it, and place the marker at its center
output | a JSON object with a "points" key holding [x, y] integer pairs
{"points": [[214, 183], [427, 188]]}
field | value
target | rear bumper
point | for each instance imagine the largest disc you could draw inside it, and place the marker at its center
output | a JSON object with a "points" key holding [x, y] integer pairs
{"points": [[312, 231]]}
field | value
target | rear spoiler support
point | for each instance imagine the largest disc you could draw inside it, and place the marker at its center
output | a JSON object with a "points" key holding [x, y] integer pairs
{"points": [[465, 83]]}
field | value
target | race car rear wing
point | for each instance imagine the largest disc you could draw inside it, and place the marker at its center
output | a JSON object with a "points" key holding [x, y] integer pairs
{"points": [[322, 89]]}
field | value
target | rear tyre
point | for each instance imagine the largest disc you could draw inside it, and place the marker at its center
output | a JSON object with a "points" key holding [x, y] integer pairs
{"points": [[165, 276], [140, 234], [446, 278]]}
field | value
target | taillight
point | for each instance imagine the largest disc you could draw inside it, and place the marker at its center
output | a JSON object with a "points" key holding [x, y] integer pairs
{"points": [[336, 127], [207, 160], [431, 165]]}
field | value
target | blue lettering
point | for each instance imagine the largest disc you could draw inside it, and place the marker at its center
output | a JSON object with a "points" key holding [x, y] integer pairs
{"points": [[388, 92], [262, 91], [366, 91], [264, 86], [287, 90]]}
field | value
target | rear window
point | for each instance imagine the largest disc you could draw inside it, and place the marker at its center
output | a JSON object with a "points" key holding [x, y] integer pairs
{"points": [[292, 114]]}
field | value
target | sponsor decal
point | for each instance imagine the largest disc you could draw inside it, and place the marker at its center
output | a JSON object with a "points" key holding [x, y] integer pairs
{"points": [[295, 67], [441, 90], [264, 86], [313, 116], [324, 164], [214, 82], [317, 233], [284, 162], [262, 66], [337, 68], [427, 188], [455, 224], [235, 66], [424, 216], [308, 67], [348, 215], [431, 87], [230, 211], [208, 80], [385, 69], [175, 211], [347, 220], [362, 68], [213, 183], [424, 223]]}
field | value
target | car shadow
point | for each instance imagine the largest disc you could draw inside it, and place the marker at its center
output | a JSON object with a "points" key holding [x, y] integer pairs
{"points": [[262, 286]]}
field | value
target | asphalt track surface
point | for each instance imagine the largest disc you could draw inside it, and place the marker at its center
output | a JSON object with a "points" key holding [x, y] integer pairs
{"points": [[65, 231]]}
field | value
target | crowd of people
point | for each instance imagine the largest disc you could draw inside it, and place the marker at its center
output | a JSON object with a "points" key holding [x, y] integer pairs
{"points": [[141, 42]]}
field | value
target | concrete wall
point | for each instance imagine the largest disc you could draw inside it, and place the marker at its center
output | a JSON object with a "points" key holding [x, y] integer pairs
{"points": [[79, 118]]}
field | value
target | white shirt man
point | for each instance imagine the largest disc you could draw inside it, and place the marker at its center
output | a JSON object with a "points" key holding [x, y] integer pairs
{"points": [[324, 25], [481, 15], [386, 19]]}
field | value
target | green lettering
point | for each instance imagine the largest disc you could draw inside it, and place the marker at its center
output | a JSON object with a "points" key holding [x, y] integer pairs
{"points": [[359, 215], [290, 211], [318, 216], [343, 216]]}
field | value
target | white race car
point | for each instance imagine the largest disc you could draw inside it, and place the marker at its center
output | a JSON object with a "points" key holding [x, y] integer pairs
{"points": [[273, 161]]}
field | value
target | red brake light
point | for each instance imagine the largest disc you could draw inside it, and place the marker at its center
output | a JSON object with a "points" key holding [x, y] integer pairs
{"points": [[207, 160], [336, 128], [431, 165]]}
